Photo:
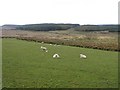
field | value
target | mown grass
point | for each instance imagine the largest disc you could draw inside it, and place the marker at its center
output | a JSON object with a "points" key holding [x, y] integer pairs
{"points": [[25, 65]]}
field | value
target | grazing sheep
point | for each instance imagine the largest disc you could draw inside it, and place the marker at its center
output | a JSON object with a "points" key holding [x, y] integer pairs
{"points": [[43, 48], [46, 51], [42, 42], [83, 56], [56, 56], [50, 44]]}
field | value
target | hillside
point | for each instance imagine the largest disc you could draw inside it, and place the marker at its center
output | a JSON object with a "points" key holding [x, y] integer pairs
{"points": [[110, 28], [58, 27], [41, 27], [9, 26]]}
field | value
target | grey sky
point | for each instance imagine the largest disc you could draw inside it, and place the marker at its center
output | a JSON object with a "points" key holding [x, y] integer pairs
{"points": [[59, 11]]}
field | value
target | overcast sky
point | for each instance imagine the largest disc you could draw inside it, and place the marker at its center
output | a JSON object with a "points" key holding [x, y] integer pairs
{"points": [[59, 11]]}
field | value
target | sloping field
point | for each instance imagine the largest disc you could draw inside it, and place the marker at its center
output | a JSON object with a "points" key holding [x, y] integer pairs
{"points": [[26, 65]]}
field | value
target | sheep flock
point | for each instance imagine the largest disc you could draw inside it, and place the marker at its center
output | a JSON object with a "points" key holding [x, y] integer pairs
{"points": [[56, 55]]}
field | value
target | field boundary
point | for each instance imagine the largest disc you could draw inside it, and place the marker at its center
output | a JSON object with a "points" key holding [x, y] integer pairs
{"points": [[101, 46]]}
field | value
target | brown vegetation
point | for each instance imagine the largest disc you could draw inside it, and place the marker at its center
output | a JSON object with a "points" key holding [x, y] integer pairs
{"points": [[101, 41]]}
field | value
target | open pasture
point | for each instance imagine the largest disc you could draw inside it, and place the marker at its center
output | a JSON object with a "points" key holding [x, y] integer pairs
{"points": [[25, 65]]}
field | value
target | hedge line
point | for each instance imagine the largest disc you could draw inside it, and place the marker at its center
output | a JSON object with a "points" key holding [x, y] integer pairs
{"points": [[101, 46]]}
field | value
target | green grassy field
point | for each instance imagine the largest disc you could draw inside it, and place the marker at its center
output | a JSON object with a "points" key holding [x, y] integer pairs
{"points": [[26, 65]]}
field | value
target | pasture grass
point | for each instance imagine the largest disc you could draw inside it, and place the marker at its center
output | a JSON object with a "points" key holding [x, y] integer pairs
{"points": [[25, 65]]}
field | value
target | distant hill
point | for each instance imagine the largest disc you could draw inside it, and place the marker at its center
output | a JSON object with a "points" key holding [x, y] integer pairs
{"points": [[10, 26], [41, 27], [110, 28], [53, 27]]}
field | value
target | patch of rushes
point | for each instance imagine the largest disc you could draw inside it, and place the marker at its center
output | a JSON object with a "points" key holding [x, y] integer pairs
{"points": [[86, 43]]}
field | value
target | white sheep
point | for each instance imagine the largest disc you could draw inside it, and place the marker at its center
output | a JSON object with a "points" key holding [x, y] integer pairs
{"points": [[56, 56], [83, 56], [46, 51], [44, 48]]}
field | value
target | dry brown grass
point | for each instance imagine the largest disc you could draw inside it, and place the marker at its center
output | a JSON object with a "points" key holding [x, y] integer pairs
{"points": [[108, 41]]}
